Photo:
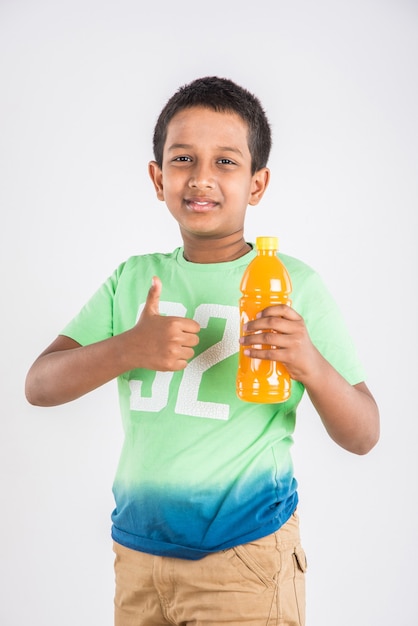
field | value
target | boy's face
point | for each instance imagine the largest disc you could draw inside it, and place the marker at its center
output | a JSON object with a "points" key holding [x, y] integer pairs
{"points": [[206, 179]]}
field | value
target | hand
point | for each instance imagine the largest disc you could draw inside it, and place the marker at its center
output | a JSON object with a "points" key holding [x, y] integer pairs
{"points": [[166, 342], [279, 334], [349, 412]]}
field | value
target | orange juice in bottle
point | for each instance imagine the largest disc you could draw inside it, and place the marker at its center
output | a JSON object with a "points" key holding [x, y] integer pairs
{"points": [[264, 283]]}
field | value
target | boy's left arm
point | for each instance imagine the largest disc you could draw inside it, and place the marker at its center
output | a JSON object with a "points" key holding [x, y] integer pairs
{"points": [[349, 412]]}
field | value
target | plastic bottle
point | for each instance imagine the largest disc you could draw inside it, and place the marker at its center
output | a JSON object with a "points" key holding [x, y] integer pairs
{"points": [[265, 282]]}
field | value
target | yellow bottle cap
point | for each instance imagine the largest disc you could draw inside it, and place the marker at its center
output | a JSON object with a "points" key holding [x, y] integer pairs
{"points": [[267, 243]]}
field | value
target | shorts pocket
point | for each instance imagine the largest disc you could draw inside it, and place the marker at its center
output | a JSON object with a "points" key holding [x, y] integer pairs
{"points": [[291, 588], [300, 558], [257, 561]]}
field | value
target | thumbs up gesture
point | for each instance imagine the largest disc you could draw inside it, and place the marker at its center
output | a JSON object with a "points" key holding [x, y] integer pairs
{"points": [[164, 343]]}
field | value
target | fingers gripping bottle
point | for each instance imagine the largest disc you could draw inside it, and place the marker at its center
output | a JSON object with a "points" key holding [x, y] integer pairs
{"points": [[265, 282]]}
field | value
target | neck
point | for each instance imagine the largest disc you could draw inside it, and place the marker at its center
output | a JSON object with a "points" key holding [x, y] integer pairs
{"points": [[206, 250]]}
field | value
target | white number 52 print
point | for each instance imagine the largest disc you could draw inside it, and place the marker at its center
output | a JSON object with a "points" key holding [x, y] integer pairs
{"points": [[187, 398]]}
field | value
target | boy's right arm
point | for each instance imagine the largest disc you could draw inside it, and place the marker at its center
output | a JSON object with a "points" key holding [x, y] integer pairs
{"points": [[65, 370]]}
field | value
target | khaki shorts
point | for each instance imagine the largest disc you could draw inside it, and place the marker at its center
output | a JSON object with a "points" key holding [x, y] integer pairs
{"points": [[255, 584]]}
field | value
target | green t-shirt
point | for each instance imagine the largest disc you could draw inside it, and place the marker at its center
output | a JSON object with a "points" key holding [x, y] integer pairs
{"points": [[201, 470]]}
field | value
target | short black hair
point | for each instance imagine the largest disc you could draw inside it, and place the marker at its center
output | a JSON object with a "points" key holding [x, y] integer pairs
{"points": [[219, 94]]}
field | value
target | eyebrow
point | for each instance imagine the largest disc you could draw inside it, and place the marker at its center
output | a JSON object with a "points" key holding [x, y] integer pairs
{"points": [[185, 146]]}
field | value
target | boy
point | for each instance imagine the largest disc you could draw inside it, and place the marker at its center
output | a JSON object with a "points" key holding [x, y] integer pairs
{"points": [[205, 527]]}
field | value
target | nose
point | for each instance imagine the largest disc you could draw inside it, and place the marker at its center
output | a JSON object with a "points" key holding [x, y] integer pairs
{"points": [[202, 177]]}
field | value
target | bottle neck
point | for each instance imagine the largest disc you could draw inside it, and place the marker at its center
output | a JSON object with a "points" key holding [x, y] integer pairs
{"points": [[266, 252]]}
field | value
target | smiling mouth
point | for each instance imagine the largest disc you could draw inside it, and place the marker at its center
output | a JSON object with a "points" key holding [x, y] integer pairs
{"points": [[201, 206]]}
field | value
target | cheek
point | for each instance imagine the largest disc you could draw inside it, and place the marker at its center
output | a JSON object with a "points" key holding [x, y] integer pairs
{"points": [[172, 187], [243, 192]]}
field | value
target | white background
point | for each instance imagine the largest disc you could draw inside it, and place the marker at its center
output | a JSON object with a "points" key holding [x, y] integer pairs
{"points": [[82, 83]]}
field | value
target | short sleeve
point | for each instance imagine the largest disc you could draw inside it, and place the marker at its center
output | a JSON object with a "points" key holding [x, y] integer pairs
{"points": [[94, 322], [325, 323]]}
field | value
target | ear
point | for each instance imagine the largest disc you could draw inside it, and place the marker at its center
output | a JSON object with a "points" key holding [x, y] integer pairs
{"points": [[156, 176], [259, 183]]}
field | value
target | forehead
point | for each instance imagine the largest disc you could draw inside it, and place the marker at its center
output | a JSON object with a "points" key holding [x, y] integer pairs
{"points": [[201, 123]]}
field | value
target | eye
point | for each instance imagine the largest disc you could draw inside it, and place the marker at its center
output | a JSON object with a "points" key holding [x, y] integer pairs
{"points": [[182, 159], [226, 162]]}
